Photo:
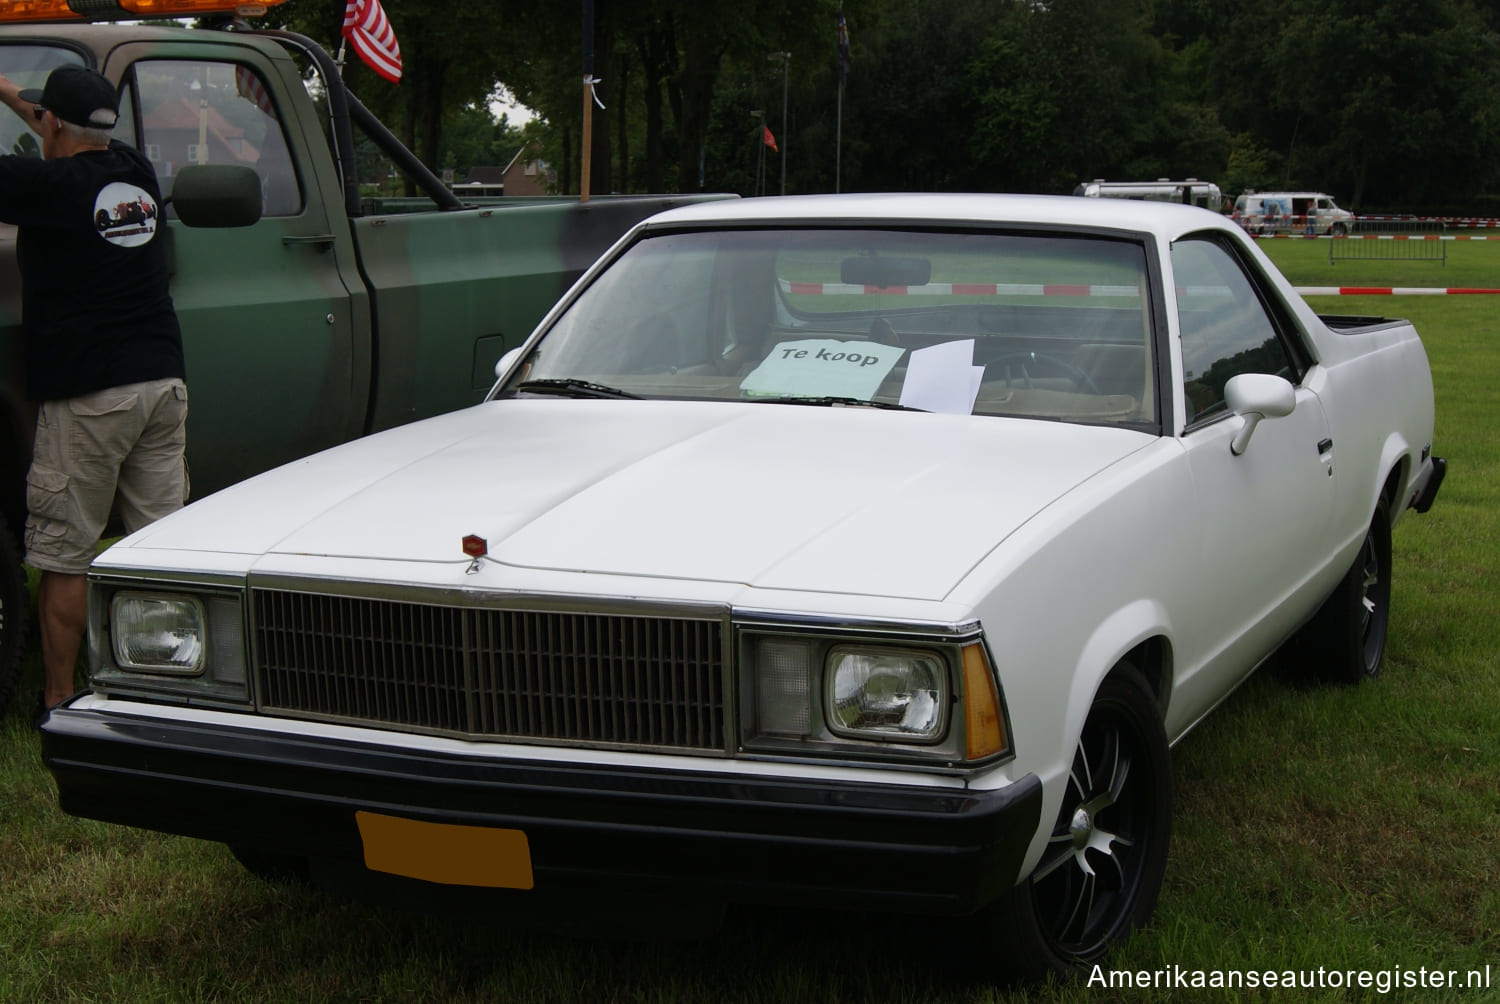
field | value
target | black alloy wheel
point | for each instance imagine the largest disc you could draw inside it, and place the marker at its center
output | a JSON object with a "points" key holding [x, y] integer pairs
{"points": [[1101, 872], [1345, 640]]}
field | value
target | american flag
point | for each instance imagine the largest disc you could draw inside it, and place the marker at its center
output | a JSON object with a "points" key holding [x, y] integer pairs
{"points": [[370, 32], [251, 89]]}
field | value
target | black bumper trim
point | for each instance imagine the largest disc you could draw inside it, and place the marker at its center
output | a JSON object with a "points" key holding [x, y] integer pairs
{"points": [[1423, 502], [710, 835]]}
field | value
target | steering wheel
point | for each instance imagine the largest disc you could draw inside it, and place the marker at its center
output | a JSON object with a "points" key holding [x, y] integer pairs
{"points": [[1081, 380]]}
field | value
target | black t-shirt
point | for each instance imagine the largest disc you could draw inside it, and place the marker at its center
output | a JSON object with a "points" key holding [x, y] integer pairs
{"points": [[95, 305]]}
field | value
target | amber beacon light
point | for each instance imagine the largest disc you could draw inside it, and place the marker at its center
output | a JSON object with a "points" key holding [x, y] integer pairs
{"points": [[115, 10]]}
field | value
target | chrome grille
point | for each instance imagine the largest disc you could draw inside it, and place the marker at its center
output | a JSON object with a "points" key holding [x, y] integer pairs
{"points": [[578, 677]]}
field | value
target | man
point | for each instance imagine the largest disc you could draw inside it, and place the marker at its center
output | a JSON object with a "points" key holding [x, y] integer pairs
{"points": [[103, 350]]}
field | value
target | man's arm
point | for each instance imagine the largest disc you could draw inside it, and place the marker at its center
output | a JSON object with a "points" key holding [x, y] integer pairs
{"points": [[10, 93]]}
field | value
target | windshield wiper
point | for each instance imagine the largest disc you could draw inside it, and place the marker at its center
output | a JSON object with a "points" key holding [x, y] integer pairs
{"points": [[567, 387], [835, 402]]}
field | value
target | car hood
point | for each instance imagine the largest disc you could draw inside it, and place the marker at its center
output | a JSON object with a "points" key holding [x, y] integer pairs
{"points": [[848, 500]]}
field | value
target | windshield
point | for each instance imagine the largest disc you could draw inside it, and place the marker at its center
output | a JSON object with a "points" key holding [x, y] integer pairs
{"points": [[988, 323]]}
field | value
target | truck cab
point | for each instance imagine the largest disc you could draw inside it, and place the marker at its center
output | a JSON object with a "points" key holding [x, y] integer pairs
{"points": [[321, 317]]}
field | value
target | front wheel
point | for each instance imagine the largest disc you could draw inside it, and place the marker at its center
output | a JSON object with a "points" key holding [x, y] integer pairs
{"points": [[13, 615], [271, 866], [1102, 870]]}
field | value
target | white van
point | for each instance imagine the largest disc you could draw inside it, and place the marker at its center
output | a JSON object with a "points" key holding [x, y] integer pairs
{"points": [[1190, 191], [1291, 212]]}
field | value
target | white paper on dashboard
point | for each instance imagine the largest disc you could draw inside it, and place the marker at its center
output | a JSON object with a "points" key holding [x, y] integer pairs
{"points": [[823, 367], [943, 378]]}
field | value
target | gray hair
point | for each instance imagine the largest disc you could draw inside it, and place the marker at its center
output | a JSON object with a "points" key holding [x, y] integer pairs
{"points": [[91, 135]]}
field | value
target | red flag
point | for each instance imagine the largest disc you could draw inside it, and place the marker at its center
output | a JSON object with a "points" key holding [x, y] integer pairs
{"points": [[370, 32], [768, 139]]}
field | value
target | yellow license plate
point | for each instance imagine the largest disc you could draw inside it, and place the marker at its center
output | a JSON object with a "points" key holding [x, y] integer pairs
{"points": [[445, 852]]}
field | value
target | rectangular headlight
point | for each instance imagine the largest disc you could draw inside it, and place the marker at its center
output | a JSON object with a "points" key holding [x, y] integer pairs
{"points": [[167, 639], [886, 694], [922, 698], [158, 633]]}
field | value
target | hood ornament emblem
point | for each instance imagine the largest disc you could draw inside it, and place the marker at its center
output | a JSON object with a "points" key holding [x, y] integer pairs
{"points": [[475, 547]]}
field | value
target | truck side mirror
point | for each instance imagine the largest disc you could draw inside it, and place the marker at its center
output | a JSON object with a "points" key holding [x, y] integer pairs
{"points": [[505, 362], [216, 195], [1254, 396]]}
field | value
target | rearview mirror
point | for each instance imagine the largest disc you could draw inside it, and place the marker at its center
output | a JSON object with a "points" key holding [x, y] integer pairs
{"points": [[1254, 396], [884, 272]]}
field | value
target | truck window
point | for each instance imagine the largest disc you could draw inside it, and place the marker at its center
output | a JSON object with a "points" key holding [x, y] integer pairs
{"points": [[28, 66], [1225, 328], [199, 112]]}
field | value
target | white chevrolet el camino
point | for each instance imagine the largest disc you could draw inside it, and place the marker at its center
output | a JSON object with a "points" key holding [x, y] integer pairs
{"points": [[863, 551]]}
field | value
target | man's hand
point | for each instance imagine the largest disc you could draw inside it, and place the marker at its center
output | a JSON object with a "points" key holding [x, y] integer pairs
{"points": [[10, 93]]}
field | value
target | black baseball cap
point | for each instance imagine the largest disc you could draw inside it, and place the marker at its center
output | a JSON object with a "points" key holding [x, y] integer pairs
{"points": [[78, 95]]}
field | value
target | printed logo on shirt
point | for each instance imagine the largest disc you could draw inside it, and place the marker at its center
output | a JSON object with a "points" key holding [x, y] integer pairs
{"points": [[125, 215]]}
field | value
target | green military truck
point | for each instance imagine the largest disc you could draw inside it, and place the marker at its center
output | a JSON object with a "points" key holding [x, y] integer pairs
{"points": [[316, 316]]}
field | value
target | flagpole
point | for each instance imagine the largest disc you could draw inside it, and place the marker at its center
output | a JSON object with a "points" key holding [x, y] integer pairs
{"points": [[843, 61], [588, 103], [786, 132], [838, 143]]}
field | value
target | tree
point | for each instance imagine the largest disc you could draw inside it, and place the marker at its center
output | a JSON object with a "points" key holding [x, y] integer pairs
{"points": [[1391, 102]]}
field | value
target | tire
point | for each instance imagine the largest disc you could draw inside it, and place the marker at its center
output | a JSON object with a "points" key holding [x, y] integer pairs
{"points": [[14, 616], [1100, 876], [1339, 230], [268, 866], [1345, 641]]}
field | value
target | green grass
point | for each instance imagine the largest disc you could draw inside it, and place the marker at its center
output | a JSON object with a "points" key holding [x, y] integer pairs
{"points": [[1470, 264], [1314, 827]]}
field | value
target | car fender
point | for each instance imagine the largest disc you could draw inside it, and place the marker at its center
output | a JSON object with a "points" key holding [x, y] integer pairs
{"points": [[1396, 454], [1115, 637]]}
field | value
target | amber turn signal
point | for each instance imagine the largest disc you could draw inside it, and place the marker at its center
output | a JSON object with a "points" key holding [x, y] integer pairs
{"points": [[984, 724]]}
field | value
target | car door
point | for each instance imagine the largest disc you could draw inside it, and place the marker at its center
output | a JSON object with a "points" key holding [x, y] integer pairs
{"points": [[1261, 517], [274, 335]]}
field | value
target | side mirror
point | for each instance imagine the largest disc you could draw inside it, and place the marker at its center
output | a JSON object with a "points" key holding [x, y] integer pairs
{"points": [[216, 195], [506, 362], [1254, 396]]}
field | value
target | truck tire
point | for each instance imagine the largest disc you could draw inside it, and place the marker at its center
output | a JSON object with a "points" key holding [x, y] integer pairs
{"points": [[1101, 874], [1345, 640], [13, 615], [272, 867]]}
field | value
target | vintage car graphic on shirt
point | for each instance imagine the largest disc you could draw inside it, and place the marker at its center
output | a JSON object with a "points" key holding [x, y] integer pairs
{"points": [[125, 214]]}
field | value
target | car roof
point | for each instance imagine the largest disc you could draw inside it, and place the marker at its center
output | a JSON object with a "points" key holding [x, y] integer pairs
{"points": [[1165, 219]]}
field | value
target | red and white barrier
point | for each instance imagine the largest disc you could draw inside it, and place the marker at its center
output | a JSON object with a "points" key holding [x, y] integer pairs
{"points": [[1394, 291], [1071, 290], [1377, 237]]}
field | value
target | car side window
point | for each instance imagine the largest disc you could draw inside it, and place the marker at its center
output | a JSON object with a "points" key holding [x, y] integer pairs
{"points": [[28, 67], [1224, 326], [202, 112]]}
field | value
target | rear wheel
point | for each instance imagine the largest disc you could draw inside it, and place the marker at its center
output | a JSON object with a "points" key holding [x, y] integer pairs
{"points": [[1101, 872], [13, 615], [1345, 641]]}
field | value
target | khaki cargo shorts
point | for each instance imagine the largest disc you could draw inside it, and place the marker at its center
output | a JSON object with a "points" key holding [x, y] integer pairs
{"points": [[123, 444]]}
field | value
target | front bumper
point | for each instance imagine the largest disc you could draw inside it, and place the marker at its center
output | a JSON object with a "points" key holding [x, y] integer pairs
{"points": [[589, 827]]}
